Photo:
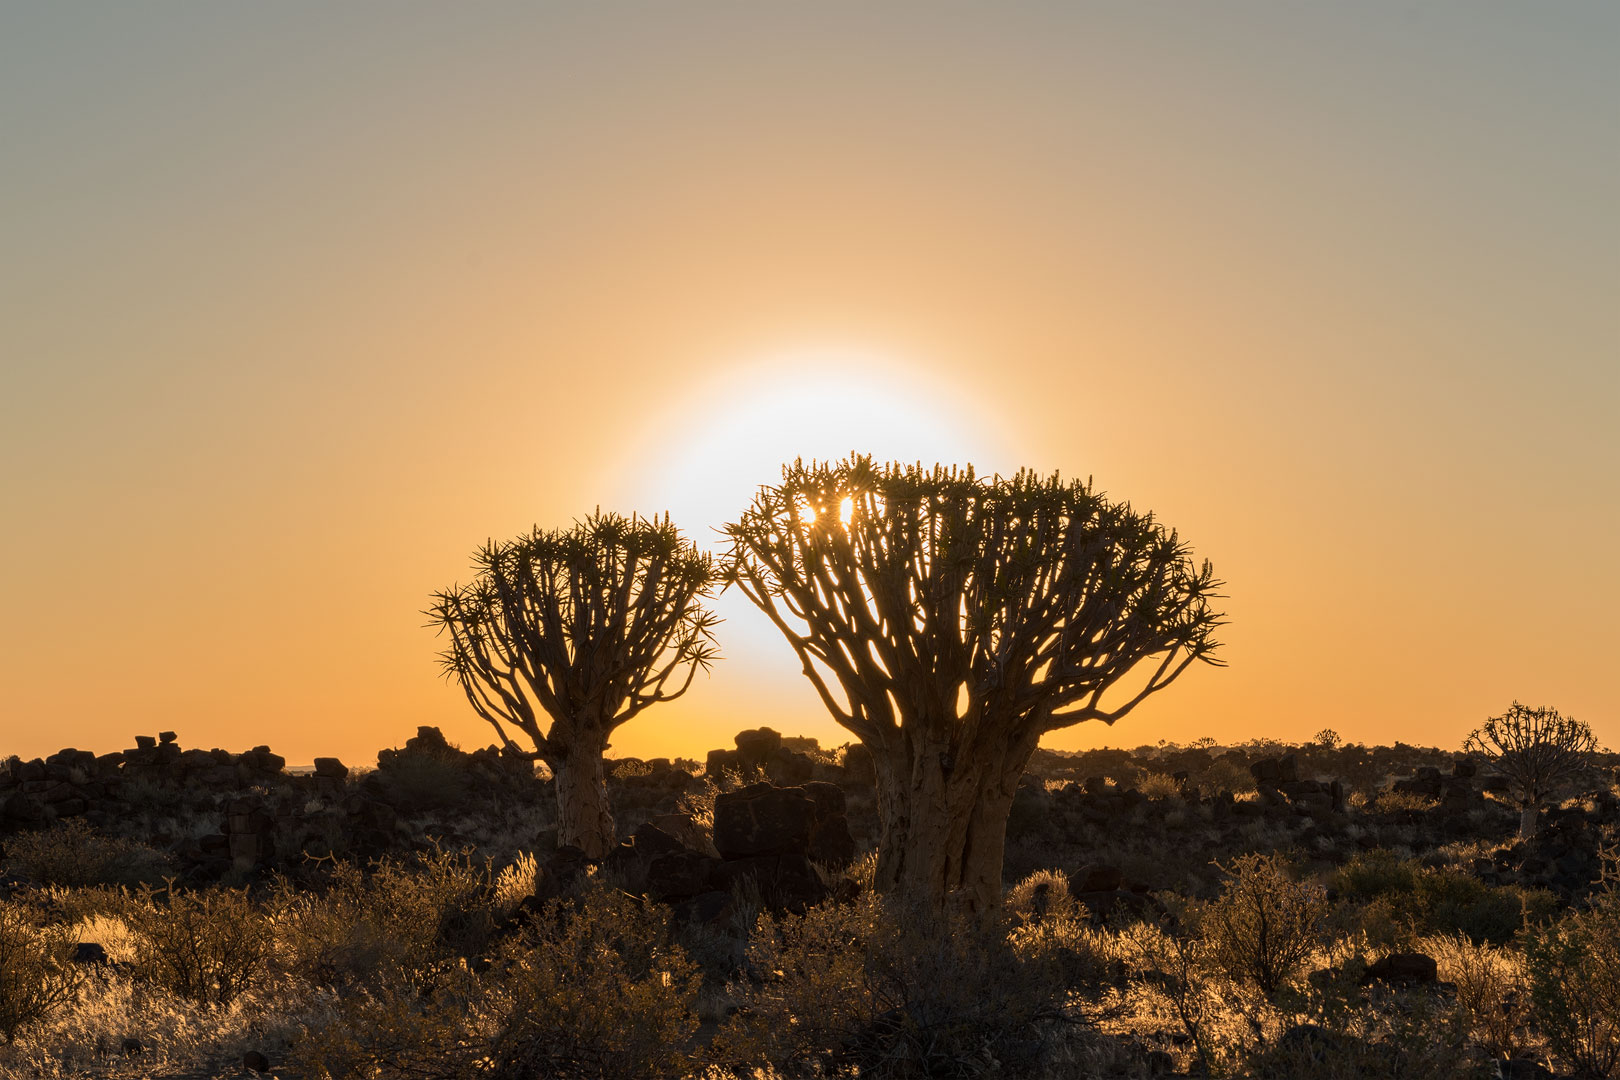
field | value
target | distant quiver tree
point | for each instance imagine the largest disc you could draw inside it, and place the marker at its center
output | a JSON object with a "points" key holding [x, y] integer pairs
{"points": [[565, 635], [1539, 752], [950, 621]]}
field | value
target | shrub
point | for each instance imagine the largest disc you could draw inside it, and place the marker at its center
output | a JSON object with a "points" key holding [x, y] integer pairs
{"points": [[74, 854], [1441, 901], [416, 915], [203, 945], [859, 987], [394, 1029], [1574, 969], [36, 969], [1491, 991], [593, 990], [1264, 924]]}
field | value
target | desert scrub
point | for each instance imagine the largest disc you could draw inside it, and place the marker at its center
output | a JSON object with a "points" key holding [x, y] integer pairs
{"points": [[1492, 991], [74, 854], [1264, 924], [1574, 971], [206, 945], [420, 915], [1439, 902], [37, 974], [393, 1028], [857, 986], [593, 988]]}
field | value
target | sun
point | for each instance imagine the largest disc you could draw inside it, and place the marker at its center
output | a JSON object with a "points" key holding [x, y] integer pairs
{"points": [[704, 464]]}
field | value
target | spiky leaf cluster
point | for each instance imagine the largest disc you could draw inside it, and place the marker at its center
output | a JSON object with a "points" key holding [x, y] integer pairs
{"points": [[912, 594], [585, 625]]}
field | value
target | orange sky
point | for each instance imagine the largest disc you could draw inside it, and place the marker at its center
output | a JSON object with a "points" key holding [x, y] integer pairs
{"points": [[298, 304]]}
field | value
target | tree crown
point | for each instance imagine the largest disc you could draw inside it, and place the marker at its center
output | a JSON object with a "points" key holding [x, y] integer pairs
{"points": [[1537, 749], [929, 595], [587, 625]]}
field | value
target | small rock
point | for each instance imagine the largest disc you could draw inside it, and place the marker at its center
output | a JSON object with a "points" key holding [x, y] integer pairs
{"points": [[133, 1047], [254, 1061]]}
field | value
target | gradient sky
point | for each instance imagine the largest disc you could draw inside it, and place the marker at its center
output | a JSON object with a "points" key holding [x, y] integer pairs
{"points": [[301, 302]]}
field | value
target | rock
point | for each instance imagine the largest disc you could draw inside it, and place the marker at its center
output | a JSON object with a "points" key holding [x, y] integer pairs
{"points": [[859, 768], [332, 767], [1464, 769], [1520, 1069], [144, 742], [1415, 968], [1265, 771], [254, 1061], [763, 819], [787, 768], [680, 874], [166, 737], [758, 744], [1091, 879], [1288, 768], [1311, 1042], [90, 952], [133, 1047], [719, 761]]}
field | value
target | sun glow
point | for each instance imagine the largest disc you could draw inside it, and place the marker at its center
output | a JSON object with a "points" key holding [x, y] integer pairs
{"points": [[721, 444]]}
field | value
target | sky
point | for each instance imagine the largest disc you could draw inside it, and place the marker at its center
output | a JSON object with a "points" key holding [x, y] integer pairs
{"points": [[300, 303]]}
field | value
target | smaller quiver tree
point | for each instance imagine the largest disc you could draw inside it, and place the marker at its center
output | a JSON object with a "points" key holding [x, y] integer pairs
{"points": [[1539, 751], [950, 621], [566, 635]]}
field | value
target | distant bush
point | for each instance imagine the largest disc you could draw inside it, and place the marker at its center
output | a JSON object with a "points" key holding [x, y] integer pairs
{"points": [[205, 945], [1442, 901], [74, 854], [36, 968]]}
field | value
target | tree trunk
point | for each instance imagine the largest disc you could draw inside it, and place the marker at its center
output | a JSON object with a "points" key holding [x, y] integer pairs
{"points": [[584, 819], [1529, 819], [944, 823]]}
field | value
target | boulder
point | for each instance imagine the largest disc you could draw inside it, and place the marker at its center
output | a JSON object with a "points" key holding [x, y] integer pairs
{"points": [[763, 819], [1413, 968], [758, 744]]}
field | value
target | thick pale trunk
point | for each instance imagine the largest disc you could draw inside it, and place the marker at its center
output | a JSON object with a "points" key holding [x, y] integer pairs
{"points": [[584, 819], [944, 823], [1529, 819]]}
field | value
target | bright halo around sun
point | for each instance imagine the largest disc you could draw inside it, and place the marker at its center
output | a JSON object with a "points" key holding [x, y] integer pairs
{"points": [[721, 444]]}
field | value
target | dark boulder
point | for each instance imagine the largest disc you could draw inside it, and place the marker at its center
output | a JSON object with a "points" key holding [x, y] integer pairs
{"points": [[1412, 968], [763, 819]]}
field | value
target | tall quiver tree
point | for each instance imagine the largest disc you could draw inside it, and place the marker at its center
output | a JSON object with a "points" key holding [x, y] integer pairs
{"points": [[949, 622], [565, 635], [1538, 750]]}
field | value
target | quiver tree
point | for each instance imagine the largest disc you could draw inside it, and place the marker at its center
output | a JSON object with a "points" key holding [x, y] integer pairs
{"points": [[1539, 752], [949, 622], [565, 635]]}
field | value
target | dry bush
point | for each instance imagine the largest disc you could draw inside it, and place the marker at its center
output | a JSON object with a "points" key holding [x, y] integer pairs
{"points": [[392, 1029], [1491, 991], [74, 854], [419, 915], [37, 974], [206, 945], [1574, 971], [1158, 785], [593, 989], [858, 986], [1264, 924]]}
